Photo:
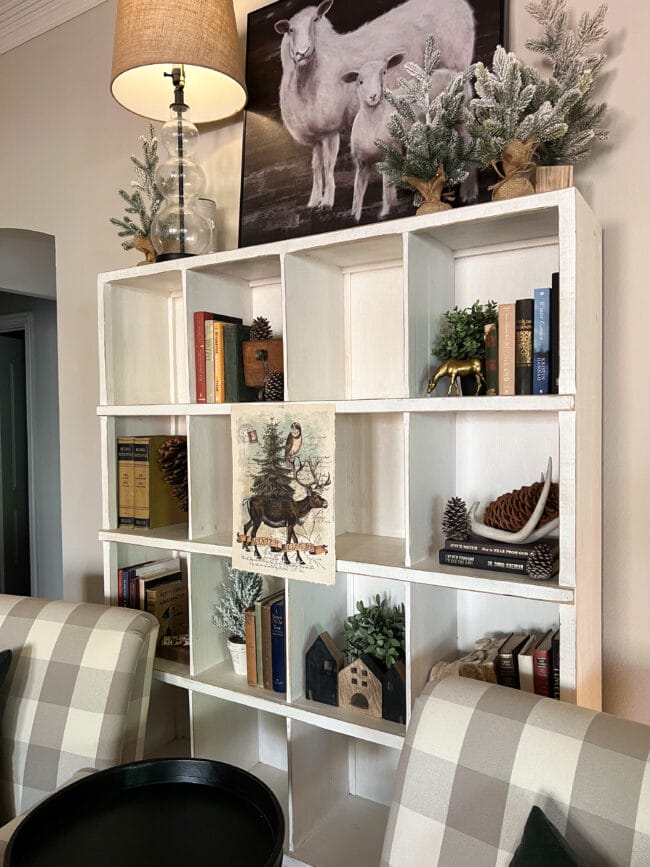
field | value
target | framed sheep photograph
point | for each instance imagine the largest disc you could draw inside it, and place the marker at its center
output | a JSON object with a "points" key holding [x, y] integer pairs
{"points": [[316, 75]]}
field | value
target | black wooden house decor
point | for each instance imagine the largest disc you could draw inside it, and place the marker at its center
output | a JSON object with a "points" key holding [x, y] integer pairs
{"points": [[323, 661]]}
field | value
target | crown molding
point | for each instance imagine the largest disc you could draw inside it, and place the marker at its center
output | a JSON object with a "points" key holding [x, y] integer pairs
{"points": [[22, 20]]}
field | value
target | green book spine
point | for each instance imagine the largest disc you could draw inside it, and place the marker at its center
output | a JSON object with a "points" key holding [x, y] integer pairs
{"points": [[236, 389]]}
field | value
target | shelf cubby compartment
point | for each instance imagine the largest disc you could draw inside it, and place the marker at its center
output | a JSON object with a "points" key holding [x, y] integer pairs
{"points": [[210, 479], [240, 735], [345, 320], [239, 285], [341, 790], [111, 428], [370, 494], [144, 348], [210, 658], [475, 456]]}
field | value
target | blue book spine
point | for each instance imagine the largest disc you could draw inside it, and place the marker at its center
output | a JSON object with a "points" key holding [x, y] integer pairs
{"points": [[542, 341], [278, 647]]}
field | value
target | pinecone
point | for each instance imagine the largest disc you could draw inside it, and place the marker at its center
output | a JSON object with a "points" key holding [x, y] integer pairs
{"points": [[172, 459], [261, 329], [511, 511], [455, 521], [273, 388], [540, 564]]}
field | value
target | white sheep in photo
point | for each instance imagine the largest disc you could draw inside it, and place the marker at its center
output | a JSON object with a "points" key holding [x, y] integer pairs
{"points": [[371, 123], [316, 104]]}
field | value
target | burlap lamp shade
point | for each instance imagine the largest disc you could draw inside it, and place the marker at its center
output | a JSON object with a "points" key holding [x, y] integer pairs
{"points": [[151, 36]]}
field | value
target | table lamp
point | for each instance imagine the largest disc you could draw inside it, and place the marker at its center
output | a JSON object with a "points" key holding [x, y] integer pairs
{"points": [[160, 48]]}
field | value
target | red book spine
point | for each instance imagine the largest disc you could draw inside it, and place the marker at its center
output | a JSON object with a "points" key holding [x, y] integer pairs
{"points": [[542, 674], [200, 318]]}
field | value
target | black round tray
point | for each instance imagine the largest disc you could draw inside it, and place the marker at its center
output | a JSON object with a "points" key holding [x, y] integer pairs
{"points": [[186, 812]]}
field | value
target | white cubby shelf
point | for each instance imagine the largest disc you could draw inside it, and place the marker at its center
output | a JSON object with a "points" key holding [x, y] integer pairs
{"points": [[358, 311]]}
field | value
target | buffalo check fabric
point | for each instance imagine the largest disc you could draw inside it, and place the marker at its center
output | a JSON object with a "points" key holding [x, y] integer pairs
{"points": [[76, 696], [477, 757]]}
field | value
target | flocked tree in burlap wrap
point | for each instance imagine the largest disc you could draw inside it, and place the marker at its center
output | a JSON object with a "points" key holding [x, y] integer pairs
{"points": [[573, 65], [428, 151], [514, 103]]}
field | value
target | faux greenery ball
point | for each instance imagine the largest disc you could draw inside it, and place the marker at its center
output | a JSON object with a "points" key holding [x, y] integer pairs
{"points": [[377, 630], [461, 335]]}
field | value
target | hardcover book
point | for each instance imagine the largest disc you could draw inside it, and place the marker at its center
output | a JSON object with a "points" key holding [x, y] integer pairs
{"points": [[554, 372], [251, 646], [506, 328], [278, 649], [542, 341], [543, 665], [555, 652], [525, 664], [125, 477], [478, 545], [219, 362], [489, 562], [524, 313], [155, 504], [200, 318], [508, 662], [491, 358], [236, 389], [267, 658], [168, 603]]}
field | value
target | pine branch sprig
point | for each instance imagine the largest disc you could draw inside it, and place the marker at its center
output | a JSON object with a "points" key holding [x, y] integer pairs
{"points": [[145, 199]]}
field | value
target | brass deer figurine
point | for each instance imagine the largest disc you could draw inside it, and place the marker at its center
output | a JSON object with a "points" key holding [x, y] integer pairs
{"points": [[453, 368]]}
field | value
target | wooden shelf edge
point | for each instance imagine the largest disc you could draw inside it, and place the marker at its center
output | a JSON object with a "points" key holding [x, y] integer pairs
{"points": [[504, 403]]}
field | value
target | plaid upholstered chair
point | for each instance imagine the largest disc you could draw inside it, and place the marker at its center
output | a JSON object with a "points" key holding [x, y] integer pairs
{"points": [[76, 695], [478, 757]]}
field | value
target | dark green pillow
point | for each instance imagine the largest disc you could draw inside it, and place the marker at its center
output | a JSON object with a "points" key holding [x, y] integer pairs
{"points": [[542, 845], [5, 662]]}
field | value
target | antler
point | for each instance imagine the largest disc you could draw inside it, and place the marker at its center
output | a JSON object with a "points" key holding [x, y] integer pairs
{"points": [[528, 533], [317, 482]]}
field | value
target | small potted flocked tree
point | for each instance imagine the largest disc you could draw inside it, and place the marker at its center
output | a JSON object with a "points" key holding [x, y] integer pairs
{"points": [[239, 591], [572, 61], [428, 151]]}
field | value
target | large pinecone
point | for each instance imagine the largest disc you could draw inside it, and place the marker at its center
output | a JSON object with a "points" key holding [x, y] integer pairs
{"points": [[541, 563], [261, 329], [511, 511], [273, 388], [455, 520], [172, 458]]}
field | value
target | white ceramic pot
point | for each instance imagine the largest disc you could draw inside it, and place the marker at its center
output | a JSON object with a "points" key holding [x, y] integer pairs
{"points": [[238, 655]]}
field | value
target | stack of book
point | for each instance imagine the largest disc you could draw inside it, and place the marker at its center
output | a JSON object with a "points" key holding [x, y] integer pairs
{"points": [[478, 553], [522, 351], [265, 629], [531, 662], [144, 498], [159, 587], [525, 661], [218, 360]]}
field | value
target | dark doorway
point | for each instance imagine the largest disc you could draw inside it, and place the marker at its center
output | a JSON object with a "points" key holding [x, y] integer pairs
{"points": [[14, 500]]}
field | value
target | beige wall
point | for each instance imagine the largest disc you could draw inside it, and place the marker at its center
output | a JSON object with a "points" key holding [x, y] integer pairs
{"points": [[65, 152]]}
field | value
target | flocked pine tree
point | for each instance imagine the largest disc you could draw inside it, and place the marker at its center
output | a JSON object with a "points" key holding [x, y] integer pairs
{"points": [[514, 103], [427, 151], [143, 202], [239, 591], [568, 53]]}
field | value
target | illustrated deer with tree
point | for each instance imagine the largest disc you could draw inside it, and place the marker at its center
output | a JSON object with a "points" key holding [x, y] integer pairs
{"points": [[273, 496]]}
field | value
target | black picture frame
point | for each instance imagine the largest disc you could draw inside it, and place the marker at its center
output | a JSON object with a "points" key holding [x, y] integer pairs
{"points": [[277, 170]]}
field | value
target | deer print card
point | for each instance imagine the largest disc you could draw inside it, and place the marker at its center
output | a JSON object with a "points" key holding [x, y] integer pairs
{"points": [[283, 490]]}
